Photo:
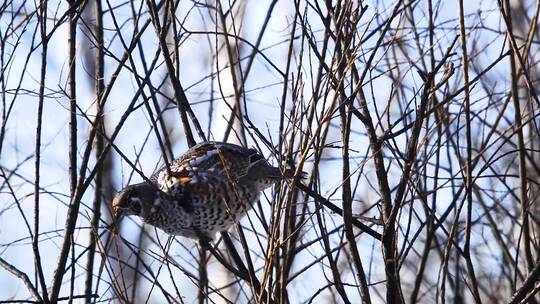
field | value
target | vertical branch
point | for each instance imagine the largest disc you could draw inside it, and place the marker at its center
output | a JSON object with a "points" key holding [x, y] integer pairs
{"points": [[393, 286], [284, 258], [99, 190], [72, 96], [522, 149], [347, 204], [347, 28], [35, 239], [393, 289], [468, 166], [430, 213]]}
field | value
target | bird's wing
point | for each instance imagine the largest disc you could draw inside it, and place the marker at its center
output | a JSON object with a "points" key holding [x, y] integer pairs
{"points": [[222, 158], [227, 160], [208, 158]]}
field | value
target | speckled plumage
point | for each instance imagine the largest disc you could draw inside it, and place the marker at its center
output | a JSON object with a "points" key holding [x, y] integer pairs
{"points": [[204, 191]]}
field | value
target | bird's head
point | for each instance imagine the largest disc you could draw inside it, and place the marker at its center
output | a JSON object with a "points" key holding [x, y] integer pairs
{"points": [[134, 200]]}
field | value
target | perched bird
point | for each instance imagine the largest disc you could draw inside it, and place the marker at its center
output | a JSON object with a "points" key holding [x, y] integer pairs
{"points": [[204, 191]]}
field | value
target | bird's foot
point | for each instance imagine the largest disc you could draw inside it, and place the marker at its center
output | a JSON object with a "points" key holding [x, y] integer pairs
{"points": [[204, 240]]}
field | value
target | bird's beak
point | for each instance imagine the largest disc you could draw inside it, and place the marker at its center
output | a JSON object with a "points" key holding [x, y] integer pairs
{"points": [[117, 213], [115, 226]]}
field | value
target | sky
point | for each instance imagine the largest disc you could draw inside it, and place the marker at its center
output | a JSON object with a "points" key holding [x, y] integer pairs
{"points": [[263, 96]]}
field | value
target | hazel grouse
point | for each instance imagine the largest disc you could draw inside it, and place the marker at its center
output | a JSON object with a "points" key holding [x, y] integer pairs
{"points": [[204, 191]]}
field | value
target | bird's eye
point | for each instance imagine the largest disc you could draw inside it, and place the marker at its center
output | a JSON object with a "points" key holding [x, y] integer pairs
{"points": [[136, 205]]}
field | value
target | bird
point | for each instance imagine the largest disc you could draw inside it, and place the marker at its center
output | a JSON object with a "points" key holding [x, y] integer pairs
{"points": [[206, 190]]}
